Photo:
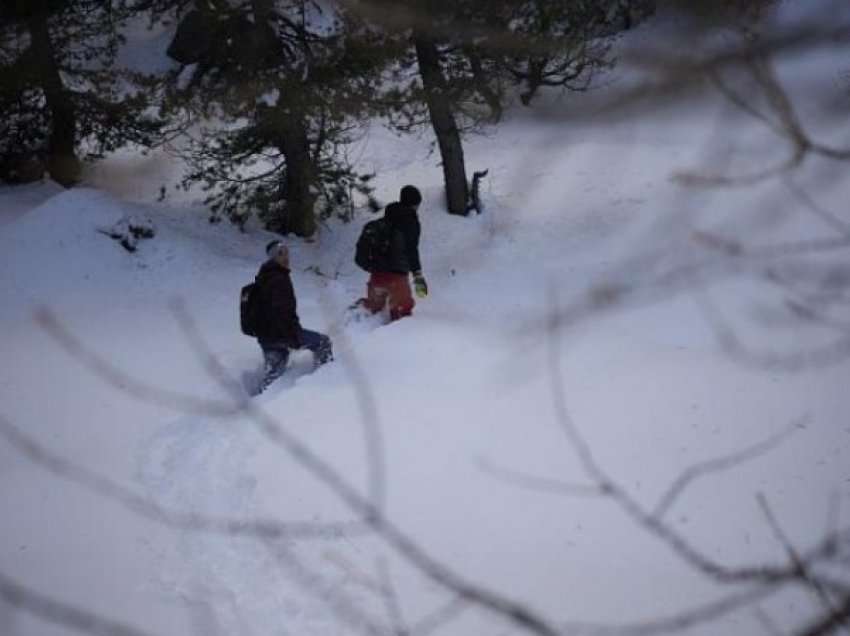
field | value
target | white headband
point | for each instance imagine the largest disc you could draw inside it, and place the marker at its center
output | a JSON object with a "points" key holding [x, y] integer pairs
{"points": [[275, 248]]}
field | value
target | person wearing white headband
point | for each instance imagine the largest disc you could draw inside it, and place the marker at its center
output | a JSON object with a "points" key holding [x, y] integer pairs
{"points": [[279, 329]]}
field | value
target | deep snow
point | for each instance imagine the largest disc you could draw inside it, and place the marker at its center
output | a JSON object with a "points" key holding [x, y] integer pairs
{"points": [[463, 390]]}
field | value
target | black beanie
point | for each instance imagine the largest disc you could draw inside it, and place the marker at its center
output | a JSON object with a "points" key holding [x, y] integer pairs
{"points": [[410, 195]]}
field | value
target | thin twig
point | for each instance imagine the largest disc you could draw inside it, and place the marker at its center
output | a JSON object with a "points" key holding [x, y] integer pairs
{"points": [[656, 527], [767, 622], [719, 464], [540, 484], [61, 613], [118, 379], [345, 608], [825, 625], [506, 607], [369, 418], [804, 574], [839, 225], [391, 601], [681, 620], [833, 353], [435, 620], [149, 509]]}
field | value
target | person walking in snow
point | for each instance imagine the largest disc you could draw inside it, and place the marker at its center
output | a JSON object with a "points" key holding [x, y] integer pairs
{"points": [[278, 327], [391, 285]]}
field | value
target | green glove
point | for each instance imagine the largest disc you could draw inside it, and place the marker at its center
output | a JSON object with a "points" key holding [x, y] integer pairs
{"points": [[419, 285]]}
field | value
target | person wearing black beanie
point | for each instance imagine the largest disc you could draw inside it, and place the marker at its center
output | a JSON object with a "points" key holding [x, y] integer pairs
{"points": [[410, 196], [390, 286]]}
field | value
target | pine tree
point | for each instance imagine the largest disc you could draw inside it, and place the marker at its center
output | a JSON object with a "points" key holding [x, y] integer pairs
{"points": [[62, 95], [465, 56], [284, 85], [567, 44]]}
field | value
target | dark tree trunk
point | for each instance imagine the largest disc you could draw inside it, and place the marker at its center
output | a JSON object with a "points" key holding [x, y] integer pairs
{"points": [[294, 143], [62, 161], [262, 10], [443, 121], [297, 187]]}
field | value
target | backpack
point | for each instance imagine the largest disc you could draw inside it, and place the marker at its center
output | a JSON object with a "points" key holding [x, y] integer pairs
{"points": [[249, 309], [373, 246]]}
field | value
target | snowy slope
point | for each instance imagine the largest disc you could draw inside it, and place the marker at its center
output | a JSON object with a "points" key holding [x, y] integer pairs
{"points": [[463, 391]]}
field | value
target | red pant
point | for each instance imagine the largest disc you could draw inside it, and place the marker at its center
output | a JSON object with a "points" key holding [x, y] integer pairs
{"points": [[392, 288]]}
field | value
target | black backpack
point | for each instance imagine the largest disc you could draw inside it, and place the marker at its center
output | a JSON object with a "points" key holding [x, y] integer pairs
{"points": [[249, 309], [373, 246]]}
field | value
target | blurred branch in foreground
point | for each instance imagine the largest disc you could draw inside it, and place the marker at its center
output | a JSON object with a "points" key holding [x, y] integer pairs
{"points": [[760, 581]]}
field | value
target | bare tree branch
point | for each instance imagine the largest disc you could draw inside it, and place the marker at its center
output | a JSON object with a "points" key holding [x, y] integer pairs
{"points": [[829, 624], [144, 507], [725, 181], [836, 351], [117, 379], [767, 573], [680, 621], [782, 118], [320, 588], [769, 578], [803, 572], [767, 623], [435, 620], [63, 614], [369, 418], [839, 225], [390, 596], [539, 484], [515, 612], [719, 464]]}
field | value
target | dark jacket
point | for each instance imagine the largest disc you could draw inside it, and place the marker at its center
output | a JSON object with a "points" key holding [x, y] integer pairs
{"points": [[278, 322], [404, 245]]}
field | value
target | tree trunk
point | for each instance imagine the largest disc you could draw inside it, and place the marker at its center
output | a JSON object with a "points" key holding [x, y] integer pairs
{"points": [[443, 121], [297, 186], [62, 161], [262, 10]]}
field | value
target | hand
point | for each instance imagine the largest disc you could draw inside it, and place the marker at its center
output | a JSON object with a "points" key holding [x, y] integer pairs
{"points": [[419, 285]]}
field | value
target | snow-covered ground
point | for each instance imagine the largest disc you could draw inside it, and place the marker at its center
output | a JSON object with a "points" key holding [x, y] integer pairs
{"points": [[468, 453]]}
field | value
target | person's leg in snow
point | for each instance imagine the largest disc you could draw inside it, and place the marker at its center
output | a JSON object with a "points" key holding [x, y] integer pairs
{"points": [[376, 293], [389, 288], [373, 303], [319, 344], [274, 363], [400, 296], [275, 356]]}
